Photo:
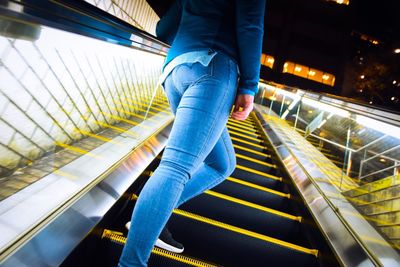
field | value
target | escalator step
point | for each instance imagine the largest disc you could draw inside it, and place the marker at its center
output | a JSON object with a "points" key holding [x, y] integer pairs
{"points": [[159, 257], [253, 194], [252, 145], [251, 152], [233, 246], [245, 214]]}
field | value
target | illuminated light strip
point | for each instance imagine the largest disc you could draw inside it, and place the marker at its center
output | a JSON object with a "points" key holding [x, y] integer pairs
{"points": [[119, 238], [245, 136], [270, 176], [259, 187], [252, 205], [252, 151], [248, 143], [78, 150], [241, 126], [243, 131], [245, 232], [256, 161]]}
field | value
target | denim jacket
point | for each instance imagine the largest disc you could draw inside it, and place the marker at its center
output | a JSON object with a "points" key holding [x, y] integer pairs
{"points": [[233, 27]]}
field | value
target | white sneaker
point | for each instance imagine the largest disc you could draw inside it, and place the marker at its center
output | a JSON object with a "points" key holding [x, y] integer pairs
{"points": [[168, 244]]}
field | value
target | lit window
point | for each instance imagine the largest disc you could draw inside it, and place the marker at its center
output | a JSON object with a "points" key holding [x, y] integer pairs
{"points": [[309, 73], [267, 60], [288, 67], [342, 2]]}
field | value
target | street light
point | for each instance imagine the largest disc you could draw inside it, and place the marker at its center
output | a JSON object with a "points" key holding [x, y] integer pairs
{"points": [[397, 50]]}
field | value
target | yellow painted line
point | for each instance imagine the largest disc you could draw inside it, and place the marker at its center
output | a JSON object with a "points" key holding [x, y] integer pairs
{"points": [[248, 143], [252, 151], [250, 128], [119, 238], [243, 131], [102, 138], [245, 136], [131, 114], [259, 173], [246, 124], [118, 129], [161, 104], [254, 206], [66, 174], [256, 161], [259, 187], [246, 232], [142, 109], [77, 149], [138, 103]]}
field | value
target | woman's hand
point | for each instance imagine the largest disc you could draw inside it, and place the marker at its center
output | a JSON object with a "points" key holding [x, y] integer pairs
{"points": [[243, 107]]}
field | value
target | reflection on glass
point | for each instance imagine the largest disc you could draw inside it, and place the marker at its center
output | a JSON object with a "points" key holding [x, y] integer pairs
{"points": [[359, 154], [63, 95]]}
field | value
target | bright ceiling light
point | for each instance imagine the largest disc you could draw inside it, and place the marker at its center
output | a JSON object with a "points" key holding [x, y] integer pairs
{"points": [[397, 50]]}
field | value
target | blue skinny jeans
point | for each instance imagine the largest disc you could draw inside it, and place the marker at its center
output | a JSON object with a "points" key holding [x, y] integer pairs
{"points": [[198, 155]]}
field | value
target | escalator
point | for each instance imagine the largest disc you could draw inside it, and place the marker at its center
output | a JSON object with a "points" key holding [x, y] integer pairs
{"points": [[251, 219]]}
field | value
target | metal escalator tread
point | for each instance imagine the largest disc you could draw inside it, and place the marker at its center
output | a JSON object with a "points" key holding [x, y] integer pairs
{"points": [[159, 255], [255, 186], [246, 232]]}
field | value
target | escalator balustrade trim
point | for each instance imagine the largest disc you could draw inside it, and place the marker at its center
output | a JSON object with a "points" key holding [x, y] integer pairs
{"points": [[259, 187], [245, 232], [254, 206], [256, 161], [255, 152], [119, 238], [267, 175], [249, 143]]}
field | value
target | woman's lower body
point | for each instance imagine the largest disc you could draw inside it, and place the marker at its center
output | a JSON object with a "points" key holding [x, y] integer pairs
{"points": [[199, 153]]}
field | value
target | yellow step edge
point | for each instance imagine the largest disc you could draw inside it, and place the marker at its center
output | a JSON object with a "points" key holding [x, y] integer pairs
{"points": [[114, 236], [251, 128], [376, 201], [256, 161], [246, 232], [252, 151], [242, 123], [259, 187], [248, 143], [241, 130], [245, 136], [259, 173], [375, 186], [254, 206]]}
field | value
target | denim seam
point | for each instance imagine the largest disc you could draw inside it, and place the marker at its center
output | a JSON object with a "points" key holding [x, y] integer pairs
{"points": [[218, 111]]}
